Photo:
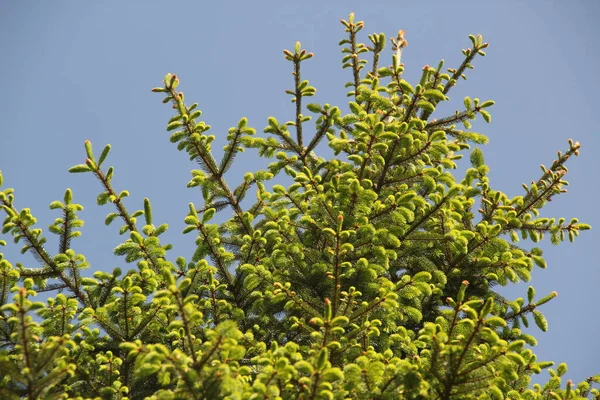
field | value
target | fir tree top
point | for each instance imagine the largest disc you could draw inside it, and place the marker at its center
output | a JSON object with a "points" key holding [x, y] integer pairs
{"points": [[372, 275]]}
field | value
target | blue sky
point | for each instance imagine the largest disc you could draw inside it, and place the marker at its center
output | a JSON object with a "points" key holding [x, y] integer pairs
{"points": [[73, 71]]}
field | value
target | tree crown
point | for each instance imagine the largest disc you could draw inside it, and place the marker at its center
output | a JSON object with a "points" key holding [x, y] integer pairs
{"points": [[374, 274]]}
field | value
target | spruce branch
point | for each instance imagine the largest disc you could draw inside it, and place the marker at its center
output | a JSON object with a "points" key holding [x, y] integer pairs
{"points": [[390, 153], [328, 117], [354, 49], [301, 88], [20, 226], [470, 54], [197, 148], [451, 120]]}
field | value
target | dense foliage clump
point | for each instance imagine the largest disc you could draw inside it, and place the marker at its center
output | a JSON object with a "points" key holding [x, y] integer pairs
{"points": [[373, 275]]}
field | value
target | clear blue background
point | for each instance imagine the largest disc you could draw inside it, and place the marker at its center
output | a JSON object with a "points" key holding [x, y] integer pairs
{"points": [[72, 71]]}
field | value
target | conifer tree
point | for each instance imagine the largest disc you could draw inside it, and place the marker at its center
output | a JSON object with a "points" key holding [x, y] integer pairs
{"points": [[372, 275]]}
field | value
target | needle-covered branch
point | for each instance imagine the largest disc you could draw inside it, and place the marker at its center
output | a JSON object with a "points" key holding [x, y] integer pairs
{"points": [[372, 274]]}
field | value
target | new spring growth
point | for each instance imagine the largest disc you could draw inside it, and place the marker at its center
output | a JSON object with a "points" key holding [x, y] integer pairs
{"points": [[340, 221], [90, 164], [461, 292], [399, 43], [89, 151], [298, 55], [173, 82], [328, 312], [350, 25], [574, 146], [546, 299]]}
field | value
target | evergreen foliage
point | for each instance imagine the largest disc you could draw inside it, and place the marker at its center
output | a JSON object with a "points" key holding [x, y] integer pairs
{"points": [[371, 276]]}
